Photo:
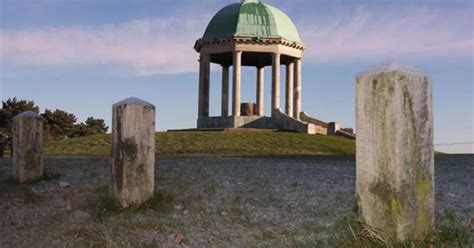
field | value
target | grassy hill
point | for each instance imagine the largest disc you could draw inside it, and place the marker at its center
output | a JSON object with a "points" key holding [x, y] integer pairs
{"points": [[214, 144]]}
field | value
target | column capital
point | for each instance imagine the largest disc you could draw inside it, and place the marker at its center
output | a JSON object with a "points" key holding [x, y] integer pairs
{"points": [[206, 57]]}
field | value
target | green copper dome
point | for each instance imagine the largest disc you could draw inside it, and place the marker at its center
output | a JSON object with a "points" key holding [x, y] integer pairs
{"points": [[251, 18]]}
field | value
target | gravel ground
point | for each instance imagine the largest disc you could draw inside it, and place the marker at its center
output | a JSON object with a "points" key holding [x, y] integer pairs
{"points": [[216, 202]]}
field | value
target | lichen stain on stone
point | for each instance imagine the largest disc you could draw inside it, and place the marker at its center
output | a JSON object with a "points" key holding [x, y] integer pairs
{"points": [[411, 129], [30, 159], [374, 84], [424, 188], [384, 192], [391, 89], [407, 100], [129, 147], [359, 204], [396, 208], [141, 169], [424, 112]]}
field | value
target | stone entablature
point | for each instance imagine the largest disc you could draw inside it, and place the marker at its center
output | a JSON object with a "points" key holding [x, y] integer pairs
{"points": [[249, 41]]}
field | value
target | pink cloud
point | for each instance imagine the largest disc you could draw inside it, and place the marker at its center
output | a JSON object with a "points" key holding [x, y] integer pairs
{"points": [[380, 35], [165, 46], [160, 46]]}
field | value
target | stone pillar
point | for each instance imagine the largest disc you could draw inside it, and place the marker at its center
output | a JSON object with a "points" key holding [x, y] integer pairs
{"points": [[236, 83], [206, 77], [289, 89], [260, 90], [297, 90], [2, 146], [201, 83], [133, 151], [225, 91], [27, 147], [395, 158], [275, 82]]}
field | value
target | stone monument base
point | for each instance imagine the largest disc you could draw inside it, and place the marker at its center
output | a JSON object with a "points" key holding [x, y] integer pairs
{"points": [[279, 121]]}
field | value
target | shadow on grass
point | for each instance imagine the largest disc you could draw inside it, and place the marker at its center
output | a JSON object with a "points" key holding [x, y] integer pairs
{"points": [[449, 231], [106, 206]]}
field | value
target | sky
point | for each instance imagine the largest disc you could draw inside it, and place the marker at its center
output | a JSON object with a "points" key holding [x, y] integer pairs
{"points": [[84, 55]]}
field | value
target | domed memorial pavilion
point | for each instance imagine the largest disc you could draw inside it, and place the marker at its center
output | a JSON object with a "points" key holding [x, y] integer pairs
{"points": [[252, 33]]}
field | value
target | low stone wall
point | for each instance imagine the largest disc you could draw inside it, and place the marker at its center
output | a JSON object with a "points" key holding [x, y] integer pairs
{"points": [[321, 130], [280, 121], [236, 122], [215, 122], [333, 127], [345, 134], [306, 118], [285, 122], [348, 130], [320, 126]]}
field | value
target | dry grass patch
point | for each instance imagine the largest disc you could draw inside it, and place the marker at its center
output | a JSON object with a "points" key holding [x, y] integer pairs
{"points": [[449, 231], [106, 206]]}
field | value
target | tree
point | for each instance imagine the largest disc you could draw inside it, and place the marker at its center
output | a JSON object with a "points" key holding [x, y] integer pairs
{"points": [[90, 127], [97, 125], [58, 124], [10, 109]]}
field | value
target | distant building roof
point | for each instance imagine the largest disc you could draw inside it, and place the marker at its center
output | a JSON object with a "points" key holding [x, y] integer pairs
{"points": [[251, 18]]}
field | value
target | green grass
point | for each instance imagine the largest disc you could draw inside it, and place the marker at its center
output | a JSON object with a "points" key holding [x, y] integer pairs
{"points": [[214, 144], [106, 205], [449, 231]]}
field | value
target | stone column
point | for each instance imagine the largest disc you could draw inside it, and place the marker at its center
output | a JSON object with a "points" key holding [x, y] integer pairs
{"points": [[206, 77], [395, 165], [133, 151], [225, 91], [236, 83], [275, 82], [201, 83], [297, 90], [260, 89], [27, 147], [289, 89]]}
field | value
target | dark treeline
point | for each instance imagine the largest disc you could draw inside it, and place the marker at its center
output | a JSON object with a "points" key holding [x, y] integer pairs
{"points": [[58, 124]]}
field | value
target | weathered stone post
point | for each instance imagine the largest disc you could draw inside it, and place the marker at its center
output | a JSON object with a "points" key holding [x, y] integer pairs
{"points": [[395, 157], [2, 146], [133, 151], [27, 147]]}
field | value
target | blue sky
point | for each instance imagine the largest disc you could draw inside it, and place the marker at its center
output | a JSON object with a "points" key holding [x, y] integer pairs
{"points": [[82, 56]]}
